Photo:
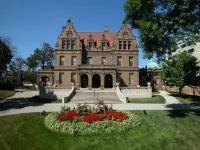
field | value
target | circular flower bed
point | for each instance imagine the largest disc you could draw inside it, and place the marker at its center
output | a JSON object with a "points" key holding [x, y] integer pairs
{"points": [[87, 120]]}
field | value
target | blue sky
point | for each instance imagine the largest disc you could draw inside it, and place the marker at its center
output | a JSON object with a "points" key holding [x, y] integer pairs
{"points": [[29, 23]]}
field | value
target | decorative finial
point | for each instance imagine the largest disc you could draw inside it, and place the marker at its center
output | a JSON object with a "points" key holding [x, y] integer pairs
{"points": [[106, 29], [69, 20]]}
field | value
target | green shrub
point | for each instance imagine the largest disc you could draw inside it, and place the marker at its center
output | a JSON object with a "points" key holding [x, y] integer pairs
{"points": [[86, 128]]}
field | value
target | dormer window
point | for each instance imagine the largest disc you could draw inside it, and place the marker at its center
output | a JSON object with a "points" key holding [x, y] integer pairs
{"points": [[68, 44], [125, 44], [129, 45], [103, 45], [73, 44], [120, 44], [90, 45]]}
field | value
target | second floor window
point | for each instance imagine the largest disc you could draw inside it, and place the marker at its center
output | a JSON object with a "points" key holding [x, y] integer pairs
{"points": [[131, 61], [89, 60], [73, 60], [103, 60], [62, 59], [119, 60]]}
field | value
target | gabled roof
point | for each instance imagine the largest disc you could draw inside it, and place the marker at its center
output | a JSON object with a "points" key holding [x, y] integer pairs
{"points": [[97, 36]]}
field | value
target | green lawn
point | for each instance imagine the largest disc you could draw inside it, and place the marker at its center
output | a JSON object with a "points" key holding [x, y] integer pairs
{"points": [[5, 94], [155, 99], [161, 130], [187, 99]]}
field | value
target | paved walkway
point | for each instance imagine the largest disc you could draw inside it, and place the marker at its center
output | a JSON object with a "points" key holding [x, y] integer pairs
{"points": [[18, 104]]}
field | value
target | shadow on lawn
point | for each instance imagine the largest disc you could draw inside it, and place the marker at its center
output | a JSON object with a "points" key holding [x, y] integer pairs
{"points": [[17, 103], [194, 99], [182, 110]]}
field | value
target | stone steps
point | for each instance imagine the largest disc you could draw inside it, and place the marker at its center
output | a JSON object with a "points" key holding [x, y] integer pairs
{"points": [[90, 98]]}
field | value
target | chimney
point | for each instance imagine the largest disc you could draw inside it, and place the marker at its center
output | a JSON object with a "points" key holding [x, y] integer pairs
{"points": [[106, 29]]}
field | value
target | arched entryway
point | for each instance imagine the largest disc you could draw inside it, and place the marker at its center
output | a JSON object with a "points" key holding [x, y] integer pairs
{"points": [[108, 81], [96, 81], [84, 81]]}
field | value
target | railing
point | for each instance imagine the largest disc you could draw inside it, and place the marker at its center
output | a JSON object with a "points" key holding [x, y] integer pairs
{"points": [[121, 96], [69, 96]]}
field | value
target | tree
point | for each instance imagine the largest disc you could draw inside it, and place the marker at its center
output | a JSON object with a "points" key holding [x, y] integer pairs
{"points": [[44, 57], [181, 70], [162, 23], [17, 68], [6, 54], [31, 62]]}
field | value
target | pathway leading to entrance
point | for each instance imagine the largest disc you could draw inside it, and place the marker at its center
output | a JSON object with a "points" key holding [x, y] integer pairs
{"points": [[171, 104]]}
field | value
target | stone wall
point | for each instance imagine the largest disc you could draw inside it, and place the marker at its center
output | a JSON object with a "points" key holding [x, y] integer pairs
{"points": [[187, 90]]}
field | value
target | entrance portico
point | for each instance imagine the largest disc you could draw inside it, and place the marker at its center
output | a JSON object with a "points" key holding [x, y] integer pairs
{"points": [[90, 79]]}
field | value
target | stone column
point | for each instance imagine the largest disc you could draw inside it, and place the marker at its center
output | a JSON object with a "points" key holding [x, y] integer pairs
{"points": [[89, 81], [102, 81], [78, 80], [114, 80]]}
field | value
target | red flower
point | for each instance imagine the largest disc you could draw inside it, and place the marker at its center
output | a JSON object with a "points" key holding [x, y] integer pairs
{"points": [[90, 118], [70, 115], [116, 115]]}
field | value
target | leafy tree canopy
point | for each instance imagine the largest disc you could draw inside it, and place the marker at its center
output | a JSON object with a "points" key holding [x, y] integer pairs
{"points": [[6, 54], [161, 23], [43, 57], [181, 70]]}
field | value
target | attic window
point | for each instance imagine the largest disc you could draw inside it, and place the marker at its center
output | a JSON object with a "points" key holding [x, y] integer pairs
{"points": [[64, 44], [129, 45], [120, 44], [103, 45], [90, 45]]}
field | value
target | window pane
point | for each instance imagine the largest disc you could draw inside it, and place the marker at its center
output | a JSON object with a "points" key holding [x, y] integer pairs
{"points": [[131, 61], [119, 75], [73, 44], [73, 60], [119, 60], [73, 79], [61, 78], [103, 60], [90, 45], [89, 60], [130, 78], [120, 44], [62, 58], [103, 46], [125, 44], [64, 44], [129, 45], [68, 44]]}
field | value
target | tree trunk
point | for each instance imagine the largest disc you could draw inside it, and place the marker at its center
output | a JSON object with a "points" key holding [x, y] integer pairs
{"points": [[180, 91], [42, 64]]}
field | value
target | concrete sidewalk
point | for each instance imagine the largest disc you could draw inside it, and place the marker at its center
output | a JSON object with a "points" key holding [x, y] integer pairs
{"points": [[171, 104]]}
